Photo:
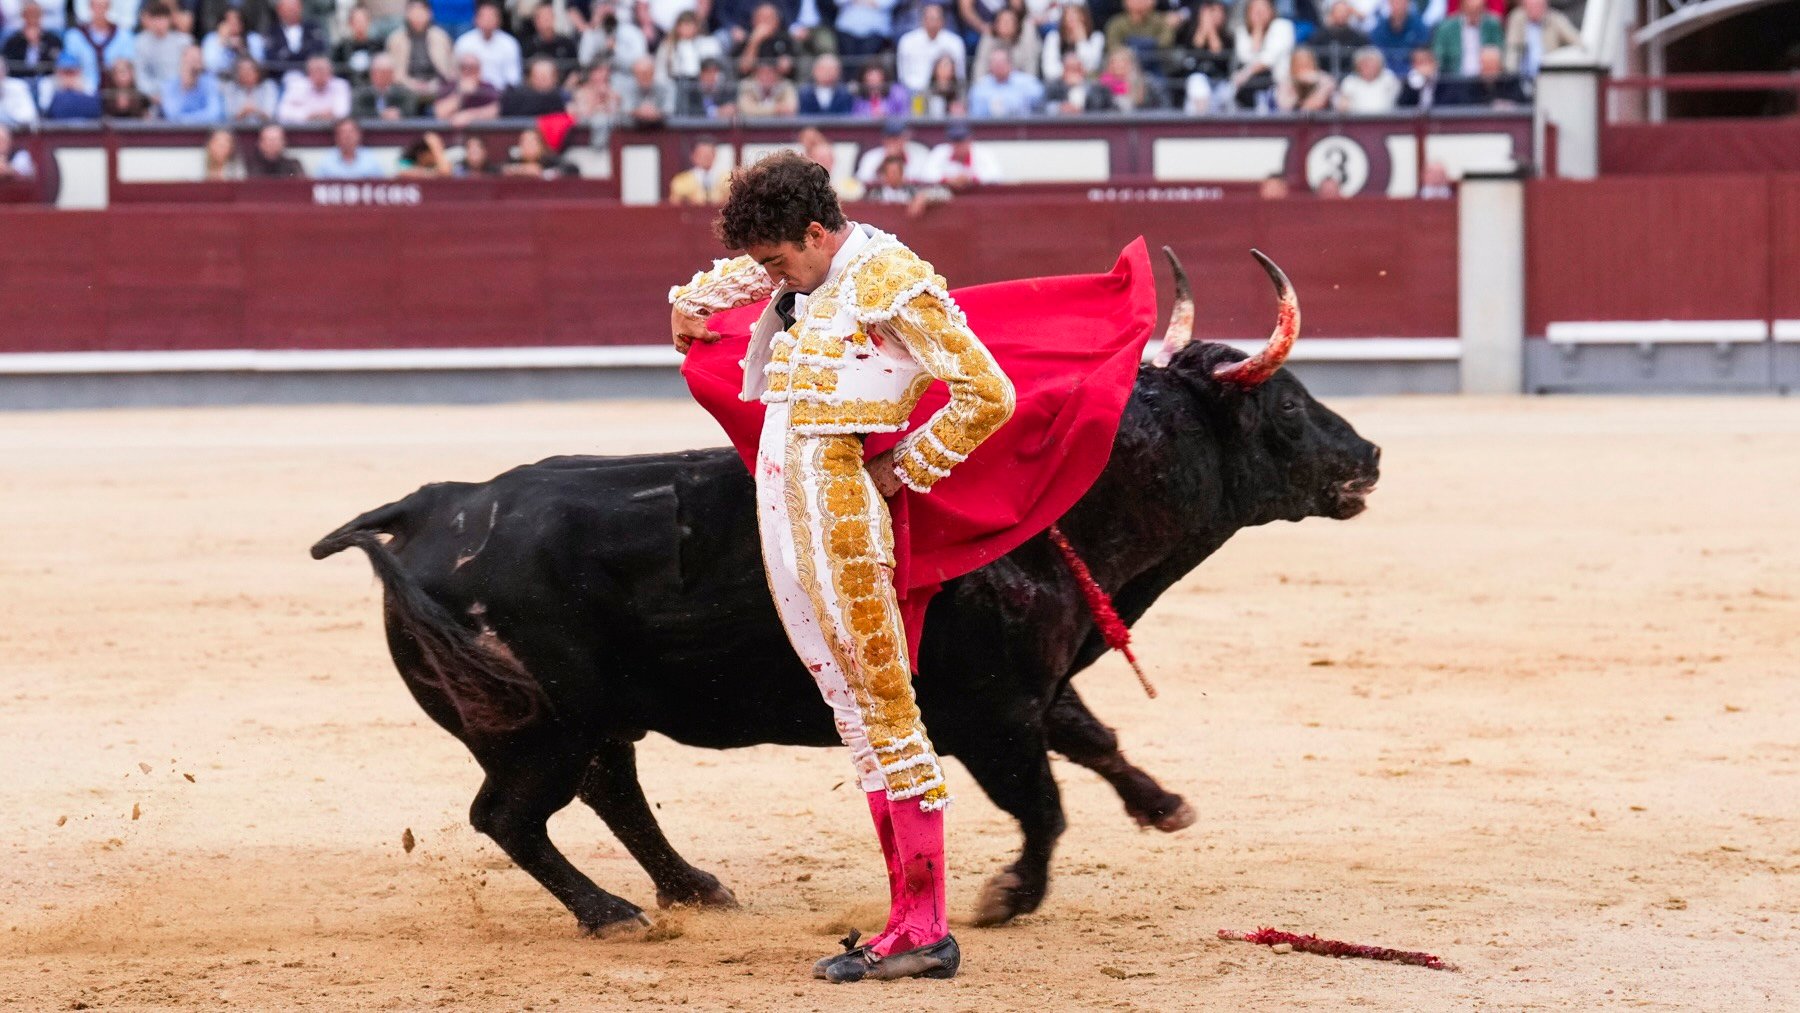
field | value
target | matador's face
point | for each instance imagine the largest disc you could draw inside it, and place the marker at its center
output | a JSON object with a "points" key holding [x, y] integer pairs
{"points": [[801, 266]]}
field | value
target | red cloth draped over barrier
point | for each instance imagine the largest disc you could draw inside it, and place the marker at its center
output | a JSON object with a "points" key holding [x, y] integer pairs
{"points": [[1071, 346]]}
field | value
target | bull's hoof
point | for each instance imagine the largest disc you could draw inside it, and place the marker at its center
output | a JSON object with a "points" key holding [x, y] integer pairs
{"points": [[1004, 898], [1169, 821], [629, 926], [704, 891]]}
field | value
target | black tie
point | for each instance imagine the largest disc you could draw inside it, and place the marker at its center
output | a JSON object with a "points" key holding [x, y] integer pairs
{"points": [[784, 308]]}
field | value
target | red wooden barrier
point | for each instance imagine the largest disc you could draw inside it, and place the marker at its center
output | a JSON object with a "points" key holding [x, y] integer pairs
{"points": [[527, 273]]}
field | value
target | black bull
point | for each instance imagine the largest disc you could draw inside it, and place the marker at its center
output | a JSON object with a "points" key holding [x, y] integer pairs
{"points": [[553, 616]]}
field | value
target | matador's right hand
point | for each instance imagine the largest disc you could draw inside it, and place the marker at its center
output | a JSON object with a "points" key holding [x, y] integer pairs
{"points": [[688, 330]]}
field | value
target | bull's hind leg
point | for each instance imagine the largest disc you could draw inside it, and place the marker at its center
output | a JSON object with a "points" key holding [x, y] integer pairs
{"points": [[524, 788], [1013, 768], [1077, 734], [611, 788]]}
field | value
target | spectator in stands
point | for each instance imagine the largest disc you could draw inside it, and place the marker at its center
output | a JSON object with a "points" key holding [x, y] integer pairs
{"points": [[476, 160], [712, 97], [893, 187], [1141, 28], [71, 99], [1399, 33], [1273, 187], [17, 107], [657, 17], [958, 163], [1074, 94], [702, 182], [228, 45], [767, 94], [270, 160], [540, 95], [292, 40], [826, 96], [1009, 32], [33, 49], [646, 98], [546, 42], [1491, 87], [1419, 88], [498, 52], [611, 39], [596, 103], [1329, 188], [1458, 41], [863, 27], [315, 96], [813, 36], [348, 159], [535, 159], [1124, 78], [456, 16], [98, 44], [385, 17], [944, 94], [1074, 34], [820, 151], [383, 97], [767, 42], [1263, 45], [247, 98], [1003, 91], [1306, 88], [920, 48], [15, 162], [222, 162], [193, 95], [878, 97], [423, 62], [1435, 183], [896, 142], [356, 50], [424, 158], [1203, 60], [682, 52], [1336, 42], [156, 52], [469, 97], [1373, 88], [1532, 30], [121, 99]]}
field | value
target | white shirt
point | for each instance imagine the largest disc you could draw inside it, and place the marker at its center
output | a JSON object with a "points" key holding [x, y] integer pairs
{"points": [[302, 103], [918, 52], [16, 107], [852, 242], [941, 166], [1359, 95], [1277, 47], [498, 53], [1471, 50], [869, 165], [1091, 50], [664, 12]]}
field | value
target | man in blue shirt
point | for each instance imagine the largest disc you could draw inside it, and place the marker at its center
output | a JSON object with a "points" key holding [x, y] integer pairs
{"points": [[97, 44], [1003, 91], [71, 100], [349, 160], [192, 96]]}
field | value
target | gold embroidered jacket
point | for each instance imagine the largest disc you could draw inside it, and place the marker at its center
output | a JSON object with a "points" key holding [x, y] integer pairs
{"points": [[867, 345]]}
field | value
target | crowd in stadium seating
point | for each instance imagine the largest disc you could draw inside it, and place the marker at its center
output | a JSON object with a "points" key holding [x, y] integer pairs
{"points": [[249, 62]]}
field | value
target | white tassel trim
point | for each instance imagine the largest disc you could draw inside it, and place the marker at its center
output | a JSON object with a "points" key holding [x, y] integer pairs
{"points": [[919, 789], [901, 745], [907, 480], [938, 445], [841, 428], [913, 458]]}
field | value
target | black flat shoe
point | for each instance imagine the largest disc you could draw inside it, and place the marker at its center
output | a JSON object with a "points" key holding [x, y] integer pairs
{"points": [[850, 947], [938, 960]]}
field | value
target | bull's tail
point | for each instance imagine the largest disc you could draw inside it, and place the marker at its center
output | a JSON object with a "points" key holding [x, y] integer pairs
{"points": [[471, 668]]}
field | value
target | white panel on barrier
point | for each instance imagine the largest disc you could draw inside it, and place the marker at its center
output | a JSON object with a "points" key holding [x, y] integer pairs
{"points": [[1087, 161], [1652, 332], [640, 174], [161, 165], [83, 174], [1460, 153], [1218, 159]]}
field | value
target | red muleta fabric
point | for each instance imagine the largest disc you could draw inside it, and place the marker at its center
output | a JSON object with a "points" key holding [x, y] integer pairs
{"points": [[1072, 346]]}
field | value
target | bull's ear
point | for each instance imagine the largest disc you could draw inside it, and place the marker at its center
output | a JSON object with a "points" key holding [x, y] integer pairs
{"points": [[1181, 317]]}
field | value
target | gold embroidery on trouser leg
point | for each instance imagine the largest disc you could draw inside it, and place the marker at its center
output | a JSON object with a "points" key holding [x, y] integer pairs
{"points": [[844, 558]]}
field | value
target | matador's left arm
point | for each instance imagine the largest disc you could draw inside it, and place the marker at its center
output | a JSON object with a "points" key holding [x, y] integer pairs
{"points": [[932, 327]]}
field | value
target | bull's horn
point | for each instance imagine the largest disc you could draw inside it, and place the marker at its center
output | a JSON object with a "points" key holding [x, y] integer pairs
{"points": [[1262, 365], [1181, 318]]}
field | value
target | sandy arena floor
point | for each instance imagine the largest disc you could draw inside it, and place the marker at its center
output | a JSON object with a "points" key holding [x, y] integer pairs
{"points": [[1537, 711]]}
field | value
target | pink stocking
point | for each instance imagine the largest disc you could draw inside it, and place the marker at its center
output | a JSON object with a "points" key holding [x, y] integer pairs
{"points": [[917, 865], [884, 829]]}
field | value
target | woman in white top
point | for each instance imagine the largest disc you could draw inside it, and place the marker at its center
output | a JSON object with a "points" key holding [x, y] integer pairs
{"points": [[1010, 32], [684, 49], [1074, 33], [1263, 44]]}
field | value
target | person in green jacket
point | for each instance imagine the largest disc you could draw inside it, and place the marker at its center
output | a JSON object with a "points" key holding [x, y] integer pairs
{"points": [[1459, 40]]}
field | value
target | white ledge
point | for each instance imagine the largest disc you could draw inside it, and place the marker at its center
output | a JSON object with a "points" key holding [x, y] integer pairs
{"points": [[246, 360], [1353, 349], [1653, 332]]}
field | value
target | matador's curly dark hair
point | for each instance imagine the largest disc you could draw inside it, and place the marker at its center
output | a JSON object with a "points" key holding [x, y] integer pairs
{"points": [[773, 201]]}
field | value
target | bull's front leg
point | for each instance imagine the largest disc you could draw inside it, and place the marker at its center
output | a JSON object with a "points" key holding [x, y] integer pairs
{"points": [[1076, 733], [611, 788], [524, 788]]}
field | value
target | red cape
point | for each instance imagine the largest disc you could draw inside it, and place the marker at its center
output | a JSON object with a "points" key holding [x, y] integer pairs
{"points": [[1071, 346]]}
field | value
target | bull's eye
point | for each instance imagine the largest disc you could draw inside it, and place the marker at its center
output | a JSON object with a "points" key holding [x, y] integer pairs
{"points": [[1289, 406]]}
